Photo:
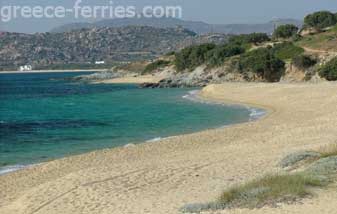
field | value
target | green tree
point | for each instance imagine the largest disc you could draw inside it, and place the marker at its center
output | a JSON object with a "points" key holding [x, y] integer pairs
{"points": [[329, 70], [192, 56], [263, 62], [287, 50], [320, 20], [285, 31], [303, 61], [218, 55], [249, 38]]}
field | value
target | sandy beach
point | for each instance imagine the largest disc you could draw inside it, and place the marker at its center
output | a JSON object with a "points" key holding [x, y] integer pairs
{"points": [[160, 177], [134, 79]]}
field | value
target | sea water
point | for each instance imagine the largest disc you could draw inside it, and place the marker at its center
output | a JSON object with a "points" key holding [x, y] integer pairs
{"points": [[44, 116]]}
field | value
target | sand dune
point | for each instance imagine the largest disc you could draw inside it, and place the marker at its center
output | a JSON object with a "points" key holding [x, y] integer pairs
{"points": [[160, 177]]}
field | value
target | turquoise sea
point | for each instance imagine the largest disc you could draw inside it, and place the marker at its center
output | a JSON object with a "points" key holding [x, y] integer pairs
{"points": [[44, 116]]}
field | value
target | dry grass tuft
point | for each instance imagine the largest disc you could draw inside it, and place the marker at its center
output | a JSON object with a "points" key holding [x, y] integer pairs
{"points": [[328, 151], [270, 190]]}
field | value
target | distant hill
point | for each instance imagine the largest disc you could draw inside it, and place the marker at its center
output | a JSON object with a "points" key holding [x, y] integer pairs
{"points": [[198, 27], [88, 45]]}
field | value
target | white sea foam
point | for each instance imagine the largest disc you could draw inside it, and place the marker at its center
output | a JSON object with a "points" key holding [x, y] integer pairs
{"points": [[8, 169], [255, 113], [154, 139]]}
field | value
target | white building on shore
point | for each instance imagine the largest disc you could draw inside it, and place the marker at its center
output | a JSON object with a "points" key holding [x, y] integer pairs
{"points": [[99, 62], [26, 68]]}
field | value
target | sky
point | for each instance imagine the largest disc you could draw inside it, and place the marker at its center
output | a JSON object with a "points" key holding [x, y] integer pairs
{"points": [[210, 11]]}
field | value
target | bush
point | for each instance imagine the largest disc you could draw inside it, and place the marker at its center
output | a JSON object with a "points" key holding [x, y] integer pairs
{"points": [[155, 65], [191, 57], [249, 38], [287, 50], [329, 70], [218, 55], [285, 31], [303, 61], [171, 53], [263, 62], [320, 20]]}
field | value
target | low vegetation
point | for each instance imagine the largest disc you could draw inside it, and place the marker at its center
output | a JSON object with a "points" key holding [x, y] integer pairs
{"points": [[308, 170], [191, 57], [325, 41], [285, 31], [287, 50], [136, 67], [329, 70], [274, 188], [254, 38], [211, 54], [303, 61], [328, 151], [264, 63], [217, 56], [268, 190], [155, 66], [259, 59]]}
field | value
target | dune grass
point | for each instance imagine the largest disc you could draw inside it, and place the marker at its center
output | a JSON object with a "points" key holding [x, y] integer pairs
{"points": [[270, 190], [328, 151], [266, 191]]}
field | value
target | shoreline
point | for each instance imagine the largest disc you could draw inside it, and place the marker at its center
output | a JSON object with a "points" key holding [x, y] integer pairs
{"points": [[193, 96], [53, 71], [161, 177]]}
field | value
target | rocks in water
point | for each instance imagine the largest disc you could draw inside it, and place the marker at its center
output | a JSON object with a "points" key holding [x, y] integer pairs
{"points": [[325, 166], [104, 75], [295, 158], [149, 85]]}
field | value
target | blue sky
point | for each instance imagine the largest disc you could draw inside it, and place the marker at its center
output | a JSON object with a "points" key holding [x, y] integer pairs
{"points": [[210, 11]]}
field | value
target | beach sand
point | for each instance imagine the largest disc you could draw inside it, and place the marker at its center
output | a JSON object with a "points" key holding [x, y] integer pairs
{"points": [[134, 80], [160, 177]]}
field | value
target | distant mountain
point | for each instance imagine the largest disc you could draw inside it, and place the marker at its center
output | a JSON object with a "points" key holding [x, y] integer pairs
{"points": [[88, 45], [198, 27]]}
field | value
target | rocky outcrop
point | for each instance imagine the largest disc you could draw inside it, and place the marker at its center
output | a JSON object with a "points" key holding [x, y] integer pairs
{"points": [[98, 76]]}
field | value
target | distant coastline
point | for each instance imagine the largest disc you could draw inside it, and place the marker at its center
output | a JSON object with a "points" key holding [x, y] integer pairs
{"points": [[53, 71]]}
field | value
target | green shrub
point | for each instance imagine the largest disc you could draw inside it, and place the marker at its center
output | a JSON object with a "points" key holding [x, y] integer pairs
{"points": [[249, 38], [287, 50], [285, 31], [320, 20], [218, 55], [193, 56], [155, 65], [171, 53], [303, 61], [329, 70], [263, 62]]}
